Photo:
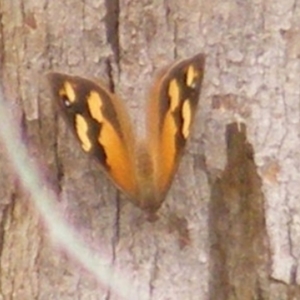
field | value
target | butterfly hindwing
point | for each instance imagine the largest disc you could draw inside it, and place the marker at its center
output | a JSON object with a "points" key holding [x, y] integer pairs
{"points": [[101, 124]]}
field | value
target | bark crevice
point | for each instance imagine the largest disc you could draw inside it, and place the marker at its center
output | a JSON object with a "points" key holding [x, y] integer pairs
{"points": [[112, 26]]}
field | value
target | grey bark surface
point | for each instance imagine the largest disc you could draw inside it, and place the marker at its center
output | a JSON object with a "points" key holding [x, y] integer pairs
{"points": [[229, 228]]}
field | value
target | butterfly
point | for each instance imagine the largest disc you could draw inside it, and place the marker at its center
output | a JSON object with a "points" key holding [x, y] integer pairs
{"points": [[142, 168]]}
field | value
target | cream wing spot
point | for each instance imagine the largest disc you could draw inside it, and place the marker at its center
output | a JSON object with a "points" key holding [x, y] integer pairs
{"points": [[67, 93], [95, 106], [187, 118], [81, 130], [174, 94], [191, 76]]}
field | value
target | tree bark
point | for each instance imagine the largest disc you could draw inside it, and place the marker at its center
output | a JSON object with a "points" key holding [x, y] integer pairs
{"points": [[229, 228]]}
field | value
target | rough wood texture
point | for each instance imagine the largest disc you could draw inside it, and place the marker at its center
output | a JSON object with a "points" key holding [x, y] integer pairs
{"points": [[229, 228]]}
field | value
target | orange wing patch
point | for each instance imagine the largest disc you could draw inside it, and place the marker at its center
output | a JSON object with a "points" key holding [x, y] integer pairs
{"points": [[118, 158], [167, 138]]}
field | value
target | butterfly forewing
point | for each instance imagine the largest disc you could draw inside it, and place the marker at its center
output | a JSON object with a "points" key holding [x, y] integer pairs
{"points": [[171, 112], [101, 124]]}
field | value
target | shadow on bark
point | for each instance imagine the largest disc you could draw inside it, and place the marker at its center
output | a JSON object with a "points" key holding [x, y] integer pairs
{"points": [[237, 225]]}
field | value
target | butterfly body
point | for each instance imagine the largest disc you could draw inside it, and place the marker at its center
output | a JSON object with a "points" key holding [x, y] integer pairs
{"points": [[143, 169]]}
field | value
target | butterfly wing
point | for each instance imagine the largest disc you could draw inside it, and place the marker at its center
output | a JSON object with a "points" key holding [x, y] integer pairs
{"points": [[171, 112], [101, 124]]}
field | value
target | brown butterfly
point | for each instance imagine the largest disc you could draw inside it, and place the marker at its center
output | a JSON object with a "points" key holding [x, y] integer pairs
{"points": [[142, 169]]}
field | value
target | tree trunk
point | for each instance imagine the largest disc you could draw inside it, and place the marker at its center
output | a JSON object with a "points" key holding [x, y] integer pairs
{"points": [[229, 228]]}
